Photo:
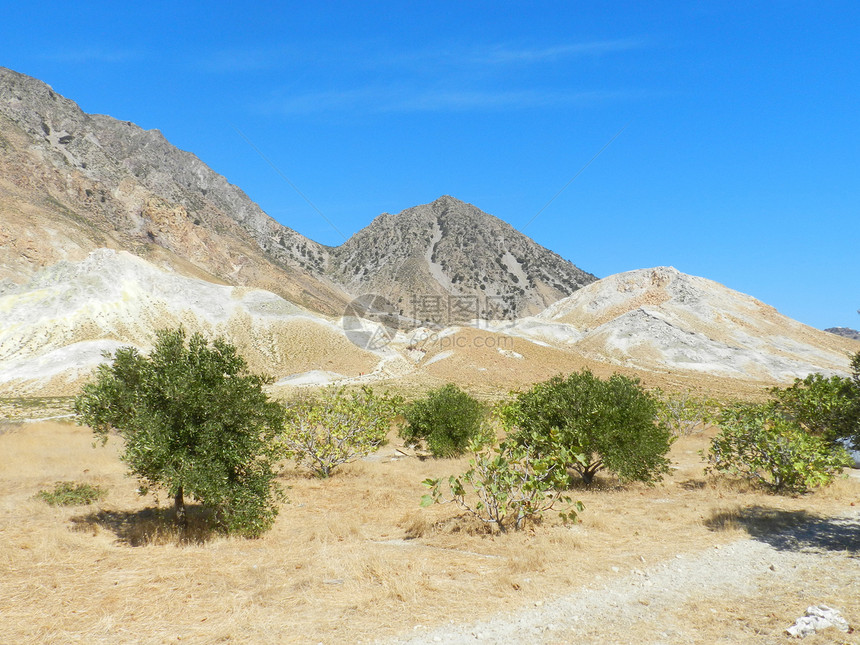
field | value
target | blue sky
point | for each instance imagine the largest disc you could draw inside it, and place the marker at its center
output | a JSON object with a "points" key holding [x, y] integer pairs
{"points": [[739, 158]]}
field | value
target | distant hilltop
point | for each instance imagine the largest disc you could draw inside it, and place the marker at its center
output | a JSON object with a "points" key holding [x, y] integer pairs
{"points": [[845, 332]]}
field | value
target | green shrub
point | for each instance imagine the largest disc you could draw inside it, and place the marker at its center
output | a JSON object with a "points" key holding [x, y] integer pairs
{"points": [[759, 443], [447, 420], [610, 424], [684, 413], [335, 427], [854, 437], [72, 494], [506, 487], [195, 422], [855, 370], [825, 407]]}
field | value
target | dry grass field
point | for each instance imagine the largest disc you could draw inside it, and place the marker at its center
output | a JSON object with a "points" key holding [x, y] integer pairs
{"points": [[354, 559]]}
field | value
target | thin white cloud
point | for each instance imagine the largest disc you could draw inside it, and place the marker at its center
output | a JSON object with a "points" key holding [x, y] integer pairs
{"points": [[381, 100], [376, 55], [505, 54], [88, 55], [367, 78]]}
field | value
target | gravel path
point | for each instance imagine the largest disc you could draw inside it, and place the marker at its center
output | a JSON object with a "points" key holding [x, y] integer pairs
{"points": [[654, 594]]}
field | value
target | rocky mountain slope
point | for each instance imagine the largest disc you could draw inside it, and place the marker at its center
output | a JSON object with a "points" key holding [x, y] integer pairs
{"points": [[56, 326], [72, 182], [108, 232], [679, 329], [657, 322], [663, 319], [451, 248]]}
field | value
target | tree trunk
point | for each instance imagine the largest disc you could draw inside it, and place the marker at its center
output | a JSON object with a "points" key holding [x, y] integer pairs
{"points": [[179, 506], [590, 471]]}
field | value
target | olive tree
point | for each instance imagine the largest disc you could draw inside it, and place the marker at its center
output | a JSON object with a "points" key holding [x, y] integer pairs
{"points": [[610, 424], [195, 422]]}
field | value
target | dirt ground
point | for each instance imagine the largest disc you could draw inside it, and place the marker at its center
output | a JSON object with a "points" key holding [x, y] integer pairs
{"points": [[354, 559]]}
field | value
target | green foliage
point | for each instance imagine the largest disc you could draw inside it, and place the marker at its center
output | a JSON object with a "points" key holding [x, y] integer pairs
{"points": [[72, 494], [447, 419], [757, 442], [825, 407], [612, 424], [855, 370], [506, 487], [855, 382], [684, 413], [336, 427], [194, 422], [854, 436]]}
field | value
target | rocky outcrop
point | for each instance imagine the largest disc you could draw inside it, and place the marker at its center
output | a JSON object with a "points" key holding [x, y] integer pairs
{"points": [[450, 248], [56, 327], [662, 319]]}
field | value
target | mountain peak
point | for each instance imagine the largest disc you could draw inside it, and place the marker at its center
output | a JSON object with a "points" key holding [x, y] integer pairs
{"points": [[448, 201], [451, 249]]}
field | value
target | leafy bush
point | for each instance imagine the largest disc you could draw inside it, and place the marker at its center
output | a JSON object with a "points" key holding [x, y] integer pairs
{"points": [[683, 413], [758, 443], [447, 419], [825, 407], [611, 424], [72, 494], [855, 370], [854, 437], [195, 422], [506, 487], [336, 427]]}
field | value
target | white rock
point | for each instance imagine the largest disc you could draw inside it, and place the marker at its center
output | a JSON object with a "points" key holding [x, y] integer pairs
{"points": [[817, 618]]}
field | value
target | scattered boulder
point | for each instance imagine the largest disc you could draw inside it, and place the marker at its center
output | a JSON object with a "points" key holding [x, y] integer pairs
{"points": [[818, 617]]}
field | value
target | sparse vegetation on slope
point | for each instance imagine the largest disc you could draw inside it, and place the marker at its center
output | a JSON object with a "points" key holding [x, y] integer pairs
{"points": [[357, 545], [509, 486], [825, 407], [792, 442], [684, 412]]}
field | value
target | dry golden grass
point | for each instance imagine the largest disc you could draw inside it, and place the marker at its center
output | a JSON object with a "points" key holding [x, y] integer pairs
{"points": [[350, 559], [764, 618]]}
